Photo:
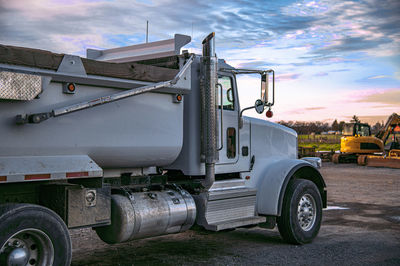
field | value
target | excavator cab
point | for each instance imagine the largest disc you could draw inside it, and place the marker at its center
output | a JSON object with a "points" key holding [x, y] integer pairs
{"points": [[357, 129]]}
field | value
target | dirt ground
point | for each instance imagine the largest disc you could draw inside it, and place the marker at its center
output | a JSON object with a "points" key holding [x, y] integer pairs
{"points": [[361, 227]]}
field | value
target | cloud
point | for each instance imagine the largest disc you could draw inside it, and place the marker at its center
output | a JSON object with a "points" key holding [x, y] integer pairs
{"points": [[321, 74], [334, 27], [378, 77], [45, 22], [387, 97], [372, 119], [287, 77], [314, 108], [343, 27], [251, 63]]}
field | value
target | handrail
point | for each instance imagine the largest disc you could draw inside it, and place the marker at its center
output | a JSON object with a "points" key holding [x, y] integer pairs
{"points": [[222, 124]]}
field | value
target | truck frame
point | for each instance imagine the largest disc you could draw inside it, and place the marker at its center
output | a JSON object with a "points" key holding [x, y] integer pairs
{"points": [[141, 141]]}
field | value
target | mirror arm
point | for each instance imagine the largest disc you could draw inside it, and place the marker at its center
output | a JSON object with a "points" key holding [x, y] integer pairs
{"points": [[240, 119], [245, 109]]}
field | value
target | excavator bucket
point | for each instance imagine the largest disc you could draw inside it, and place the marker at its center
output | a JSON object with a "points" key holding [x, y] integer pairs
{"points": [[380, 161]]}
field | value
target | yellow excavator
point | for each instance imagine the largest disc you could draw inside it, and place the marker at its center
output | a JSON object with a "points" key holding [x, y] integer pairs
{"points": [[356, 141], [390, 136]]}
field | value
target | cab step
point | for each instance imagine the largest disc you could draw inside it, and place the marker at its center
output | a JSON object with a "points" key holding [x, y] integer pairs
{"points": [[235, 223], [228, 204]]}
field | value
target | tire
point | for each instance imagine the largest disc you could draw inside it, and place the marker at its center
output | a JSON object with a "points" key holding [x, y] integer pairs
{"points": [[33, 235], [300, 194]]}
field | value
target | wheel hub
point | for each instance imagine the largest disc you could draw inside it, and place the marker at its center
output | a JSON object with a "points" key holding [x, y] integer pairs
{"points": [[306, 212], [18, 257], [27, 247]]}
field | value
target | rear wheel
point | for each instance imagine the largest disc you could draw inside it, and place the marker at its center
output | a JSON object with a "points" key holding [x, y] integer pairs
{"points": [[33, 235], [301, 215]]}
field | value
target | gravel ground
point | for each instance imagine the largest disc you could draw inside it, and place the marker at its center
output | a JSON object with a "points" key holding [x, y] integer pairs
{"points": [[361, 226]]}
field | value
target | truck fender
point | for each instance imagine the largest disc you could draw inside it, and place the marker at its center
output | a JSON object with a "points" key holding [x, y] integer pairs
{"points": [[275, 178]]}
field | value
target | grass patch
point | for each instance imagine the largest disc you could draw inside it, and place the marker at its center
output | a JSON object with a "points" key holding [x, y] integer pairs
{"points": [[321, 146]]}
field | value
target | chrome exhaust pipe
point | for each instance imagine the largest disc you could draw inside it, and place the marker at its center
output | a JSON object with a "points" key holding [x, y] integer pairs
{"points": [[208, 83]]}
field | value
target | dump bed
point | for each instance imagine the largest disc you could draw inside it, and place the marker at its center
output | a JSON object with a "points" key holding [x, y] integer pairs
{"points": [[144, 130]]}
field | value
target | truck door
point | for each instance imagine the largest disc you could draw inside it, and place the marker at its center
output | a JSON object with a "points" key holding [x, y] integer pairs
{"points": [[228, 138]]}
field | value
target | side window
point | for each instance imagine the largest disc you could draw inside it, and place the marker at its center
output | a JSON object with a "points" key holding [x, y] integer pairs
{"points": [[227, 93]]}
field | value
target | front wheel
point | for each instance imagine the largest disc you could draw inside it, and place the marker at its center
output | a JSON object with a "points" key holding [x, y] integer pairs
{"points": [[33, 235], [301, 215]]}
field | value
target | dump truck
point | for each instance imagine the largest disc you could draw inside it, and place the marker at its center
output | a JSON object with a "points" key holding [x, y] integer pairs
{"points": [[141, 141]]}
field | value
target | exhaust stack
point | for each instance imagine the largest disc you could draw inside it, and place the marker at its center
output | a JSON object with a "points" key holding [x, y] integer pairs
{"points": [[208, 108]]}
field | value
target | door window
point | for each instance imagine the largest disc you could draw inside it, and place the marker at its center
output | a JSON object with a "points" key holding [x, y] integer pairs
{"points": [[228, 100]]}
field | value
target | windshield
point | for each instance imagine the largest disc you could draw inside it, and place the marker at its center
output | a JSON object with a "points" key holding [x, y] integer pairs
{"points": [[356, 129], [348, 129], [362, 130]]}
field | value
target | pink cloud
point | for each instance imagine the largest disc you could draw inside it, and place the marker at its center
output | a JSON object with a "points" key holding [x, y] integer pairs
{"points": [[287, 77]]}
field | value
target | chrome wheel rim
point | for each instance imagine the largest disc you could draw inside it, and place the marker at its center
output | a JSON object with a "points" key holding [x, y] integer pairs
{"points": [[28, 247], [306, 212]]}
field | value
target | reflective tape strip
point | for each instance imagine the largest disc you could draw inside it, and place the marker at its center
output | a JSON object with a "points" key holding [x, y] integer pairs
{"points": [[37, 177], [54, 176], [77, 174]]}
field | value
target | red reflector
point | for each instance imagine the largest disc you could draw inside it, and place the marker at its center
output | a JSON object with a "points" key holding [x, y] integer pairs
{"points": [[36, 177], [3, 178], [77, 174], [71, 87], [247, 177]]}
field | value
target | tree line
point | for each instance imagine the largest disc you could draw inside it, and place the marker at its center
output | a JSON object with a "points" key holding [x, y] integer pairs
{"points": [[317, 127]]}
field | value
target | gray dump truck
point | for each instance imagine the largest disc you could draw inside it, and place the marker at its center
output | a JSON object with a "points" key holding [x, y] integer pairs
{"points": [[141, 141]]}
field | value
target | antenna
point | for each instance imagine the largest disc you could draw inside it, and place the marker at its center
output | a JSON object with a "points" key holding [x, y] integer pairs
{"points": [[147, 31]]}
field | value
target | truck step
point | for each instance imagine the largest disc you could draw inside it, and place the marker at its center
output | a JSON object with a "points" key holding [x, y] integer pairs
{"points": [[220, 209], [228, 184], [235, 223]]}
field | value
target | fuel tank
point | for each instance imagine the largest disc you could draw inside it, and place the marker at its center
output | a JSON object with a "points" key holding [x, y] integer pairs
{"points": [[146, 214]]}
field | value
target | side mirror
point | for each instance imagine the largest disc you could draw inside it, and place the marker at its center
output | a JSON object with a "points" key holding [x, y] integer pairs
{"points": [[259, 106], [266, 88]]}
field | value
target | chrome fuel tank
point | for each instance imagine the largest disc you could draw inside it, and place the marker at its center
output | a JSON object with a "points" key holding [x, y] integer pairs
{"points": [[146, 214]]}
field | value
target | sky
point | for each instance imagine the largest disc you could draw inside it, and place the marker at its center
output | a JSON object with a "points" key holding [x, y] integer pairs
{"points": [[333, 59]]}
